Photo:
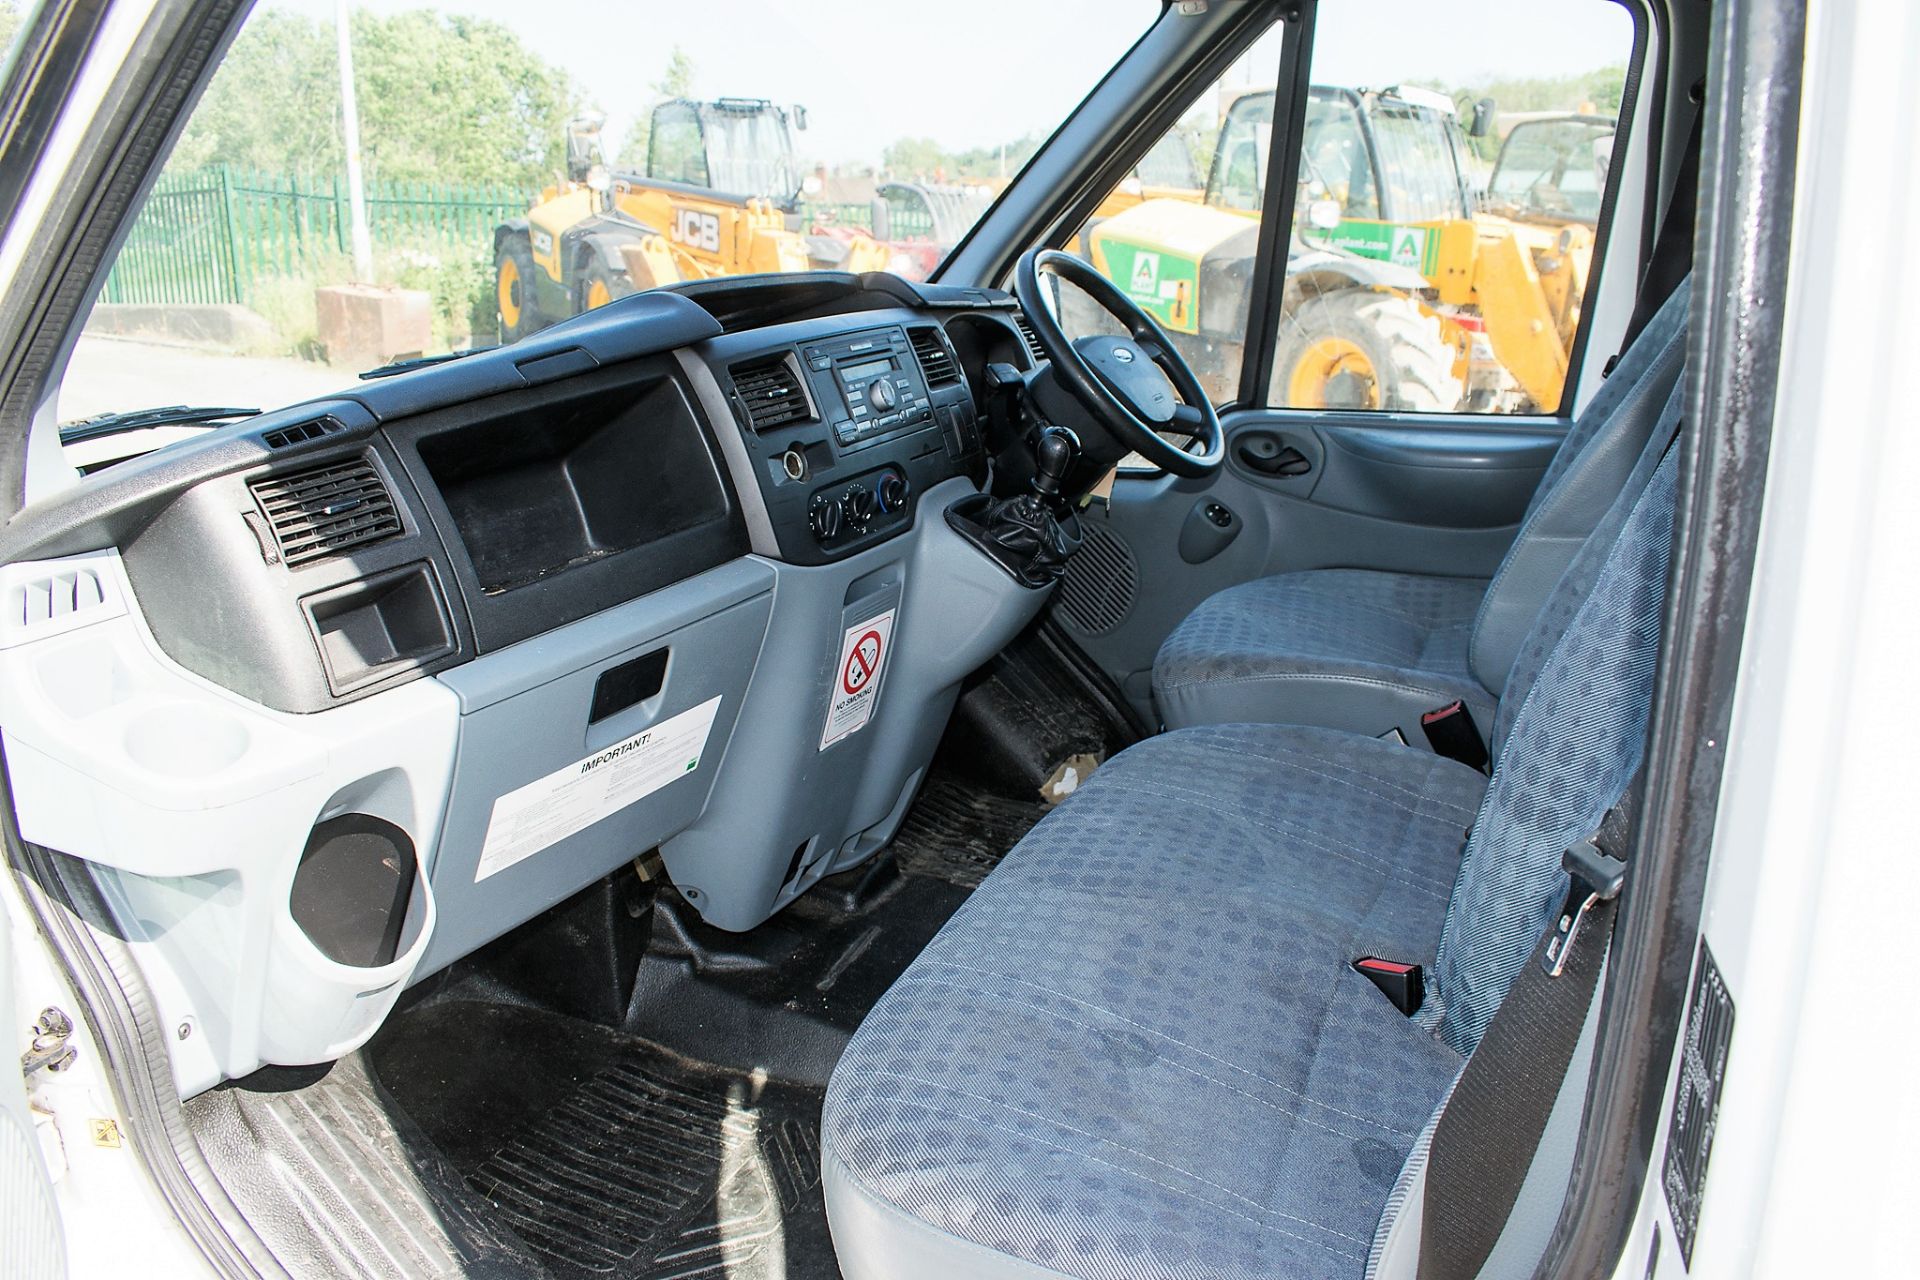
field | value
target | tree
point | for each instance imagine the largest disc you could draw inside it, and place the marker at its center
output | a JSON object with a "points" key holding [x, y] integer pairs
{"points": [[916, 158], [443, 98], [678, 81], [9, 27], [494, 111], [1601, 90], [675, 82], [274, 103]]}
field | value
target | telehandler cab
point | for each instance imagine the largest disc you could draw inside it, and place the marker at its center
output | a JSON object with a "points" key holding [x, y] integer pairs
{"points": [[1406, 288], [719, 196]]}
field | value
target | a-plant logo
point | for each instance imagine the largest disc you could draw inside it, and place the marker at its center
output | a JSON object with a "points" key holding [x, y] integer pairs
{"points": [[697, 230]]}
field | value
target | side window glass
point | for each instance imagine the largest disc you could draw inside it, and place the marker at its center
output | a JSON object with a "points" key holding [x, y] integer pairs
{"points": [[1444, 228], [675, 149], [1179, 234]]}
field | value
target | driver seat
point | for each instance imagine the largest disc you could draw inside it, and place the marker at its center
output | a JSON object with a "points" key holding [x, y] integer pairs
{"points": [[1371, 651]]}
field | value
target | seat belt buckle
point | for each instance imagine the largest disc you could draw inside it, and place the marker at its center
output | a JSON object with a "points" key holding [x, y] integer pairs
{"points": [[1404, 985], [1594, 877], [1451, 732]]}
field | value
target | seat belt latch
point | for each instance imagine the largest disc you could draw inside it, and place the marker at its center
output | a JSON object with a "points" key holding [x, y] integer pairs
{"points": [[1595, 877], [1404, 985], [1452, 733]]}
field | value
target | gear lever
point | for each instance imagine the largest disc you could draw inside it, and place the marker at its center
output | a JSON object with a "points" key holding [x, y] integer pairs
{"points": [[1032, 534], [1053, 456]]}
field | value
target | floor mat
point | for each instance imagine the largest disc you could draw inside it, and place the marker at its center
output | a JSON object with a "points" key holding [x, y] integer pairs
{"points": [[624, 1160], [958, 832]]}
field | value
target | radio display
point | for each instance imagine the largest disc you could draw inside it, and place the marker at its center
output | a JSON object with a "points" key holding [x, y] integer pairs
{"points": [[865, 369]]}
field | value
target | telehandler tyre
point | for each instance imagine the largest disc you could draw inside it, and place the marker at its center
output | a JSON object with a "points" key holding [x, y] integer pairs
{"points": [[1359, 349], [600, 284], [513, 289]]}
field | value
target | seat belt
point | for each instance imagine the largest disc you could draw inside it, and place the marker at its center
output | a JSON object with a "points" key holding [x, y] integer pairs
{"points": [[1672, 255], [1485, 1140]]}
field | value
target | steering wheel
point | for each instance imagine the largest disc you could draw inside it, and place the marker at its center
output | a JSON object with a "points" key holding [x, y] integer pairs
{"points": [[1137, 386]]}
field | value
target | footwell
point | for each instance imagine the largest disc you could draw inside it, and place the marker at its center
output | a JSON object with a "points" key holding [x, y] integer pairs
{"points": [[636, 1164]]}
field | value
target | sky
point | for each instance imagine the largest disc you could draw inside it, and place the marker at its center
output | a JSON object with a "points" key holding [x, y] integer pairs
{"points": [[981, 72]]}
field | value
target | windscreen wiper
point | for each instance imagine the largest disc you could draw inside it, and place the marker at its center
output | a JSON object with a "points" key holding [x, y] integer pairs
{"points": [[172, 415], [420, 362]]}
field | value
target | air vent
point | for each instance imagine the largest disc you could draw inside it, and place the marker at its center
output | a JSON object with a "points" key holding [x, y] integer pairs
{"points": [[771, 391], [1034, 348], [54, 600], [1101, 580], [326, 510], [935, 361], [45, 599], [281, 437]]}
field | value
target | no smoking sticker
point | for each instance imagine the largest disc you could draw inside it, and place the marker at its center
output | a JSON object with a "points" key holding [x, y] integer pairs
{"points": [[856, 677]]}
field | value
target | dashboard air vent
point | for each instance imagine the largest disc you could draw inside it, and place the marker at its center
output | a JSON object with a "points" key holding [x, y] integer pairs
{"points": [[323, 511], [771, 391], [1034, 348], [935, 361], [299, 433]]}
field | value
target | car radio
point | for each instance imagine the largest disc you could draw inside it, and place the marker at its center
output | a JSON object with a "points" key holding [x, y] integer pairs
{"points": [[867, 385]]}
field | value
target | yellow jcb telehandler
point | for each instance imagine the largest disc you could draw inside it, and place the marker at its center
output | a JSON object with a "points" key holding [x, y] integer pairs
{"points": [[1408, 285], [720, 195]]}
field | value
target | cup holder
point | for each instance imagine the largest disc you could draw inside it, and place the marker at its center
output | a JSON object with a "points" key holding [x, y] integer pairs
{"points": [[183, 740]]}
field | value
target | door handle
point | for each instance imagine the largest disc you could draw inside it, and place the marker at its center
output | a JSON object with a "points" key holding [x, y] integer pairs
{"points": [[1269, 455]]}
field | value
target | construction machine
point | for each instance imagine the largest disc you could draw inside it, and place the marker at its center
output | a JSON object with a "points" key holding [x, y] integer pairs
{"points": [[719, 195], [1409, 284]]}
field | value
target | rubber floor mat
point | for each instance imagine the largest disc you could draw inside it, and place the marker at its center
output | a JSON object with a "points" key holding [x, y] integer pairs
{"points": [[638, 1164], [957, 832]]}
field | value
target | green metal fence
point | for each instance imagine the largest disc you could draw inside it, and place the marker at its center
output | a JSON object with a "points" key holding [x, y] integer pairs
{"points": [[213, 235], [906, 220]]}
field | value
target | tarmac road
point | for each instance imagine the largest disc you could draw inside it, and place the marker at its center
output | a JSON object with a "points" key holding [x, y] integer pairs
{"points": [[111, 374]]}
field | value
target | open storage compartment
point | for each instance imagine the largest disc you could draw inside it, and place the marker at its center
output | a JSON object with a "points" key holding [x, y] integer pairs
{"points": [[599, 488], [553, 485]]}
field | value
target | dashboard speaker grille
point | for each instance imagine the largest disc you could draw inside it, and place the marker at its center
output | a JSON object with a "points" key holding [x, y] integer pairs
{"points": [[771, 392], [325, 510], [1098, 591], [935, 361]]}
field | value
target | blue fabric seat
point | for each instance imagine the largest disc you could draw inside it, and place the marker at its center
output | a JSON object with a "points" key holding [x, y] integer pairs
{"points": [[1371, 651], [1350, 648], [1093, 1066], [1140, 1049]]}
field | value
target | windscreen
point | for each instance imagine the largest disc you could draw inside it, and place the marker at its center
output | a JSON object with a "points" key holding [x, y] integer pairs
{"points": [[751, 153], [1554, 168], [336, 205]]}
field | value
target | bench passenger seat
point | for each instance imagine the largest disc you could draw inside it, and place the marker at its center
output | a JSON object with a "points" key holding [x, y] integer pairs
{"points": [[1140, 1050]]}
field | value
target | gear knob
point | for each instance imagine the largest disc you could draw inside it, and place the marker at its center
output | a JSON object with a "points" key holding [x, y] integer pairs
{"points": [[1053, 457]]}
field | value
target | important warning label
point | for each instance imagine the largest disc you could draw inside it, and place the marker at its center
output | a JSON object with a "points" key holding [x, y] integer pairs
{"points": [[856, 681], [548, 810]]}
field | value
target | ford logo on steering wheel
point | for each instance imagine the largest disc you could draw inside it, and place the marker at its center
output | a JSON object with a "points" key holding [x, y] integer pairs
{"points": [[1123, 354]]}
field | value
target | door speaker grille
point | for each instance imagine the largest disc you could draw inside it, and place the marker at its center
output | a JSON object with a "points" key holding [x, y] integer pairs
{"points": [[1098, 591]]}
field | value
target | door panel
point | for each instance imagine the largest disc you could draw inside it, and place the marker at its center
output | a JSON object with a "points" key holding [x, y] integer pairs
{"points": [[1468, 479], [1442, 498]]}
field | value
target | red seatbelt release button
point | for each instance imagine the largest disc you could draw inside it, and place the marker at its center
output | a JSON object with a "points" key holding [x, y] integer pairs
{"points": [[1404, 985]]}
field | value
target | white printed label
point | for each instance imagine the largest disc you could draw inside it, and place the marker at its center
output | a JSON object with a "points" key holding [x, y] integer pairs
{"points": [[856, 677], [548, 810]]}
